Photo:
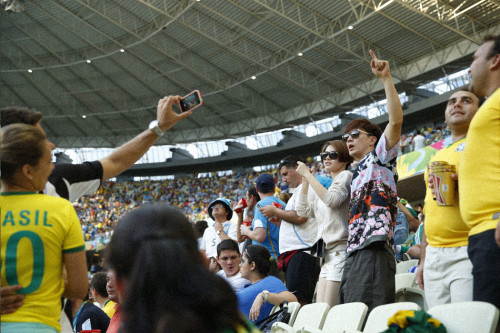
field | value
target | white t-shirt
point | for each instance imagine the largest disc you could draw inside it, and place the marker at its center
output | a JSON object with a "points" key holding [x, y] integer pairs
{"points": [[298, 236], [211, 239], [419, 142], [236, 281]]}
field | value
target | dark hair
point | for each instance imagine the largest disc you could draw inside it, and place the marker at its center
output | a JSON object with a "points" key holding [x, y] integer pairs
{"points": [[98, 282], [227, 244], [290, 162], [264, 263], [341, 148], [252, 190], [21, 144], [496, 45], [480, 99], [169, 287], [16, 114], [200, 227], [365, 125]]}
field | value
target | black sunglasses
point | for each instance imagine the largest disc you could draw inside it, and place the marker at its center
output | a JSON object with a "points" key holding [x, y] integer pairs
{"points": [[353, 134], [332, 154]]}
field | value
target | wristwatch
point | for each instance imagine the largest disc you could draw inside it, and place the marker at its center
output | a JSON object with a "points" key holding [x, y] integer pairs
{"points": [[265, 295], [155, 128], [218, 232]]}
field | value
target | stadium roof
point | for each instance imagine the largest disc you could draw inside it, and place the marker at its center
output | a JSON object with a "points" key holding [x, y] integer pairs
{"points": [[111, 60]]}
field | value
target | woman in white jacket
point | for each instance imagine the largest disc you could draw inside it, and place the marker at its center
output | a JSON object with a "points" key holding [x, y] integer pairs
{"points": [[330, 207]]}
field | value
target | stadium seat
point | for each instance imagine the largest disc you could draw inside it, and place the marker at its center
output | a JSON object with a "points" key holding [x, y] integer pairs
{"points": [[403, 266], [405, 280], [310, 315], [342, 318], [466, 317], [412, 294], [377, 319]]}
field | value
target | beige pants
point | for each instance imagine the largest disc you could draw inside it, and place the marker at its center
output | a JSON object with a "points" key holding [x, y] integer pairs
{"points": [[447, 275]]}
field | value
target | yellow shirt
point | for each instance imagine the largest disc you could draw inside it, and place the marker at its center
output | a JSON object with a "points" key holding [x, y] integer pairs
{"points": [[444, 226], [109, 308], [36, 231], [479, 174]]}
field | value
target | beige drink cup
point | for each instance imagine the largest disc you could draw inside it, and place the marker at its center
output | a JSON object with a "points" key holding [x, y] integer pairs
{"points": [[444, 186]]}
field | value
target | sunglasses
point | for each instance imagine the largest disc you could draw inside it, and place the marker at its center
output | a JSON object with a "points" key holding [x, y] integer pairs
{"points": [[332, 154], [353, 134]]}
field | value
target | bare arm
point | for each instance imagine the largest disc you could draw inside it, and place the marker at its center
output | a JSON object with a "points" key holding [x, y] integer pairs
{"points": [[413, 222], [392, 131], [274, 299], [258, 234], [304, 171], [130, 152], [420, 272], [288, 215], [497, 234], [76, 273], [238, 229]]}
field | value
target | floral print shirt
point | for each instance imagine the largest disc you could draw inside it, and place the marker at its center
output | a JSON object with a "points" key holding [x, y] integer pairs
{"points": [[373, 209]]}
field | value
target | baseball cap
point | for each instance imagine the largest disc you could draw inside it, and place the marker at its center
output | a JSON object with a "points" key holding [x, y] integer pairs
{"points": [[265, 183]]}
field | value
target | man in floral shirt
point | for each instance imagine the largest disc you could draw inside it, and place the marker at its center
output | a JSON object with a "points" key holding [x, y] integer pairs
{"points": [[369, 272]]}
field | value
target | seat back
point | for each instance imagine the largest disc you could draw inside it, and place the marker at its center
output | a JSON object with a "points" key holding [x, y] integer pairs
{"points": [[414, 295], [293, 309], [464, 317], [345, 317], [311, 315], [405, 280], [377, 319], [403, 266]]}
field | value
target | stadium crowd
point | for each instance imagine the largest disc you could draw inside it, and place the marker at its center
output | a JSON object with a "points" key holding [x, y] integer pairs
{"points": [[339, 233]]}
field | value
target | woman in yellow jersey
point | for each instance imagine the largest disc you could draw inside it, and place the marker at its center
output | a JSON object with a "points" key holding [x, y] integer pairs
{"points": [[39, 234]]}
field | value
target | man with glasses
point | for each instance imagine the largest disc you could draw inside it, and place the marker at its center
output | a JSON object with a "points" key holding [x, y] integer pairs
{"points": [[220, 211], [479, 175], [229, 258], [369, 272], [297, 236]]}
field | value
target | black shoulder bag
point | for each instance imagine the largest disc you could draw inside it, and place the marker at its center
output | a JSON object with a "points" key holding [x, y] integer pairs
{"points": [[282, 315]]}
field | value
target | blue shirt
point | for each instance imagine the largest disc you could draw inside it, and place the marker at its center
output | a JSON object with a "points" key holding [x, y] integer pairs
{"points": [[271, 242], [247, 295]]}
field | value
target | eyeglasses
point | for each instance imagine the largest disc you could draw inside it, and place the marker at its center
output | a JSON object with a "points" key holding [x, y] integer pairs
{"points": [[217, 206], [332, 154], [353, 134]]}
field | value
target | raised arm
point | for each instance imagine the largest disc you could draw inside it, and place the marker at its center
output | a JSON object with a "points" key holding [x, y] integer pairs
{"points": [[130, 152], [392, 131]]}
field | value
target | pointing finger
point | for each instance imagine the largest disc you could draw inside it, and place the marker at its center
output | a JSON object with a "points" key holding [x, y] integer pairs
{"points": [[374, 57]]}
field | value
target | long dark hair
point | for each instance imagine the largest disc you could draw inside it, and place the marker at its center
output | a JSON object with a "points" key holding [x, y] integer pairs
{"points": [[169, 289], [264, 263]]}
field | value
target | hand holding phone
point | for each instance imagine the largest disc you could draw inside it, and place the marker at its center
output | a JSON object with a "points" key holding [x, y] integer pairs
{"points": [[191, 101]]}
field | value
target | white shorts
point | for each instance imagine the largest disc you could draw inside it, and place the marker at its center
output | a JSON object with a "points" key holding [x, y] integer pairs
{"points": [[447, 275], [332, 266]]}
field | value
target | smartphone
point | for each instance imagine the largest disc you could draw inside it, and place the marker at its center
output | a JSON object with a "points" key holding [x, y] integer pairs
{"points": [[191, 101]]}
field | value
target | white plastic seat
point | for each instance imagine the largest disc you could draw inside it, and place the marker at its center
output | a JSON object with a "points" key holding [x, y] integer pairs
{"points": [[412, 294], [342, 318], [405, 280], [403, 266], [378, 318], [310, 315], [466, 317]]}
